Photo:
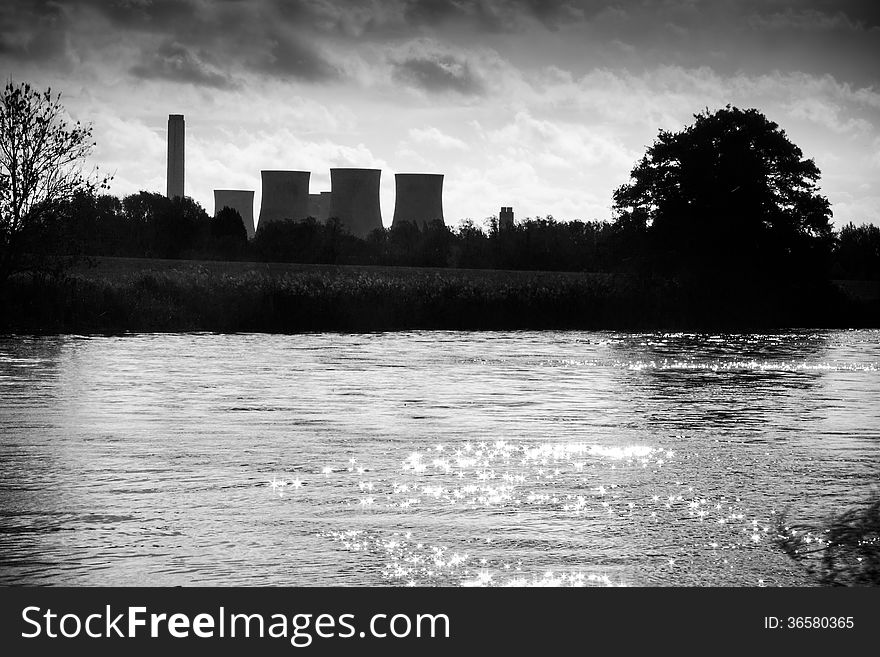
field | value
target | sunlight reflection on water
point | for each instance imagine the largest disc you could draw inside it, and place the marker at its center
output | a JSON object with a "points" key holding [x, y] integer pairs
{"points": [[426, 458]]}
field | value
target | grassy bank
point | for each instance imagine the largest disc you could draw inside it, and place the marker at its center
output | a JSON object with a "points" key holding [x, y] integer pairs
{"points": [[117, 295]]}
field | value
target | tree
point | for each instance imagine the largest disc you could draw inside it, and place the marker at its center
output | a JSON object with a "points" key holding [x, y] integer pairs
{"points": [[857, 252], [166, 227], [41, 166], [228, 223], [728, 193]]}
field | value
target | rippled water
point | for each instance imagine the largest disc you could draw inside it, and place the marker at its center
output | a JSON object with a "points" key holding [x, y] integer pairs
{"points": [[427, 458]]}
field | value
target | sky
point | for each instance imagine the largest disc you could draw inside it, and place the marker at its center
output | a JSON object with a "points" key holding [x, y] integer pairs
{"points": [[545, 106]]}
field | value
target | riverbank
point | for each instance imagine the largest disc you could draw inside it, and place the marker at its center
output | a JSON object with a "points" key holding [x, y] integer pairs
{"points": [[111, 295]]}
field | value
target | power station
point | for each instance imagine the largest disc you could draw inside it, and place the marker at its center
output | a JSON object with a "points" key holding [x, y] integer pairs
{"points": [[240, 200], [354, 199], [285, 196], [419, 198], [176, 155]]}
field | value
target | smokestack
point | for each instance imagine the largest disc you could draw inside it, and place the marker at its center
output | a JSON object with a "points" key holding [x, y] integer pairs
{"points": [[240, 200], [285, 196], [354, 199], [505, 218], [176, 138], [419, 198]]}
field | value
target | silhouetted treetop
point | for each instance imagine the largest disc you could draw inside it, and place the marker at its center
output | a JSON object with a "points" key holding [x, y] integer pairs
{"points": [[228, 223], [730, 190], [42, 156]]}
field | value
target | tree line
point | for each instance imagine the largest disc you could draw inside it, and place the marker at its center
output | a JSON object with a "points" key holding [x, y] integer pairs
{"points": [[728, 196], [149, 225]]}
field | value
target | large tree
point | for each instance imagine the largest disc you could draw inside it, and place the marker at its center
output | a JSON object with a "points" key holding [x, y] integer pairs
{"points": [[42, 156], [728, 193]]}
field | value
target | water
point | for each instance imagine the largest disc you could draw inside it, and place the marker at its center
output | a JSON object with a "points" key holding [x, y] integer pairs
{"points": [[428, 458]]}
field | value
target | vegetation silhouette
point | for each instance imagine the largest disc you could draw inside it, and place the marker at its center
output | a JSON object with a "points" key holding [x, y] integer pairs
{"points": [[41, 165], [721, 226], [856, 253], [844, 551], [729, 193], [228, 234], [148, 225]]}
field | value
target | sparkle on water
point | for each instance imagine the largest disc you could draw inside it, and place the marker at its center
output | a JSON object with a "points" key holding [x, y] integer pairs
{"points": [[579, 480], [429, 459]]}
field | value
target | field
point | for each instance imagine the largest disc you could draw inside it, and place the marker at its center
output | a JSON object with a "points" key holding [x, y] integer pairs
{"points": [[110, 295]]}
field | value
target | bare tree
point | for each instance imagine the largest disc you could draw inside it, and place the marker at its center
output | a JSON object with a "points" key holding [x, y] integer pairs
{"points": [[42, 165]]}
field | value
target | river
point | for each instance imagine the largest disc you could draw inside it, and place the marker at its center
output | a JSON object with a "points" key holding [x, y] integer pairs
{"points": [[428, 458]]}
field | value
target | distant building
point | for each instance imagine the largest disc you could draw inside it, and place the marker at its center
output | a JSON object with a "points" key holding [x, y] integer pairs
{"points": [[176, 139], [319, 206], [505, 218], [285, 196], [354, 199], [240, 200], [419, 198]]}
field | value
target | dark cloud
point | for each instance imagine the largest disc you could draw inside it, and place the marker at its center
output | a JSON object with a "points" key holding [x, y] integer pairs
{"points": [[202, 42], [433, 11], [289, 55], [221, 40], [175, 62], [438, 72], [265, 37], [554, 13], [34, 31], [496, 15], [151, 15]]}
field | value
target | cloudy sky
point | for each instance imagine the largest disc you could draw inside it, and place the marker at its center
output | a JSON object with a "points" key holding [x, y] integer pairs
{"points": [[544, 106]]}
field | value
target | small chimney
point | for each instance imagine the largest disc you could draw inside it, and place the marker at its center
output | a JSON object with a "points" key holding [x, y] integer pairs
{"points": [[505, 218]]}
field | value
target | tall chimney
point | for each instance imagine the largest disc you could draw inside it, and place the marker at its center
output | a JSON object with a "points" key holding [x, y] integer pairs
{"points": [[176, 140]]}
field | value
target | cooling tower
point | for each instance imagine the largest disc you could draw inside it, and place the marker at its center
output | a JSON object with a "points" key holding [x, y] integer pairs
{"points": [[319, 206], [419, 198], [354, 199], [240, 200], [326, 201], [174, 174], [285, 196]]}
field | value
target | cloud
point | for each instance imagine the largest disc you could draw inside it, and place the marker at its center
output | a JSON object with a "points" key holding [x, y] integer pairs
{"points": [[424, 65], [201, 42], [434, 137], [174, 62], [552, 101], [551, 143], [859, 209], [33, 32], [828, 115], [807, 20], [667, 96], [874, 157], [497, 15], [286, 53]]}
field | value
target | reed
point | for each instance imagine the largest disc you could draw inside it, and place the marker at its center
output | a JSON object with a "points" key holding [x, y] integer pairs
{"points": [[238, 297]]}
